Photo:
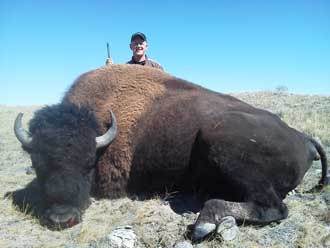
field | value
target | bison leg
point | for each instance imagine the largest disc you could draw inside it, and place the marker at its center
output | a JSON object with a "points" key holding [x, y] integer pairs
{"points": [[214, 210], [261, 205]]}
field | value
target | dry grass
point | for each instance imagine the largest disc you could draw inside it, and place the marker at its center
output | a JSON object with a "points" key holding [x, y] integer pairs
{"points": [[153, 220]]}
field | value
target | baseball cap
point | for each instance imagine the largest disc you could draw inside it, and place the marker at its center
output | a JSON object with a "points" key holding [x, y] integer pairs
{"points": [[138, 34]]}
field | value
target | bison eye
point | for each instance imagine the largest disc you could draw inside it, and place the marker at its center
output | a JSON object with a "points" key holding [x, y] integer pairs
{"points": [[36, 160], [40, 164]]}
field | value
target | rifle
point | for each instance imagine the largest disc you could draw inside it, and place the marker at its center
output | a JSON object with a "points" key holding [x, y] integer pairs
{"points": [[108, 50]]}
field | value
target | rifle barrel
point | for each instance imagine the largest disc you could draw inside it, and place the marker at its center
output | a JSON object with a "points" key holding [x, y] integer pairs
{"points": [[108, 50]]}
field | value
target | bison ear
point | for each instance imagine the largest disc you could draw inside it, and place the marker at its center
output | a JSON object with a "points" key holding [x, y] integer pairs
{"points": [[21, 134], [109, 136]]}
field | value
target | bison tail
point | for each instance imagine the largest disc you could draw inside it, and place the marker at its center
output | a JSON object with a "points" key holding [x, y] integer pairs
{"points": [[322, 155]]}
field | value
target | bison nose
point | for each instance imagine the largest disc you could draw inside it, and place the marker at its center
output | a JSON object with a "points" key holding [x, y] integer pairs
{"points": [[61, 217]]}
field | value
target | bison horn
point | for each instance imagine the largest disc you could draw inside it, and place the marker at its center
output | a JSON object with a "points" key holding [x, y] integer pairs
{"points": [[109, 136], [21, 134]]}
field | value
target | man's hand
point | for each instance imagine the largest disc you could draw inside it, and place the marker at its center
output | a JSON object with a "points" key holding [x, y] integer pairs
{"points": [[108, 61]]}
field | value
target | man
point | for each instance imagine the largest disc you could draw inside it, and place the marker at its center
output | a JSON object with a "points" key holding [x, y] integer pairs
{"points": [[139, 47]]}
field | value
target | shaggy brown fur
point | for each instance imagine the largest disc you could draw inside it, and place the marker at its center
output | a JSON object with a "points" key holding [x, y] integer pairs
{"points": [[131, 91], [128, 95]]}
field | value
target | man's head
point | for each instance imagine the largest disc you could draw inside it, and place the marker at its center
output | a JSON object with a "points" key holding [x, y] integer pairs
{"points": [[139, 45]]}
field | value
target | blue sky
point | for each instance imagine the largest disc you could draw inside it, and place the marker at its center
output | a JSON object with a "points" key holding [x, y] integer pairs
{"points": [[227, 46]]}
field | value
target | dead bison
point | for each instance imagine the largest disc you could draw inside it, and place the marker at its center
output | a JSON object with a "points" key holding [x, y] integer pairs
{"points": [[167, 134]]}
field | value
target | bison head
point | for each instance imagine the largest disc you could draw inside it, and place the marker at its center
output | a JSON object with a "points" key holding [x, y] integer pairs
{"points": [[63, 142]]}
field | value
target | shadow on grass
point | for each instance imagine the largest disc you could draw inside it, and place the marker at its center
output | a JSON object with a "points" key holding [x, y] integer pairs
{"points": [[186, 203], [28, 200]]}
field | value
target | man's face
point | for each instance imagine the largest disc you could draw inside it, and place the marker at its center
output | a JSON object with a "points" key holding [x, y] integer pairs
{"points": [[138, 46]]}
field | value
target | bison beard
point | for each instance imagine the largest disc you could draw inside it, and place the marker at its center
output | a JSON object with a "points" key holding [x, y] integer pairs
{"points": [[171, 134]]}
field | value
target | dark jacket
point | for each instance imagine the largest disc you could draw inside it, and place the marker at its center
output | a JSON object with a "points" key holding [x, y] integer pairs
{"points": [[147, 62]]}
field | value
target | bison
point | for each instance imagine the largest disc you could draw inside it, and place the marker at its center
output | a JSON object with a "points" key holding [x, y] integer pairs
{"points": [[124, 129]]}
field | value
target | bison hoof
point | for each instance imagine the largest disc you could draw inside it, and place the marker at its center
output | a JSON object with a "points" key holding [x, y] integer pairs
{"points": [[326, 180], [202, 230], [61, 217], [228, 228]]}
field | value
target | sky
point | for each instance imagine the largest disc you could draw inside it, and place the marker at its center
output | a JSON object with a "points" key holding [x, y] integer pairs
{"points": [[224, 45]]}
